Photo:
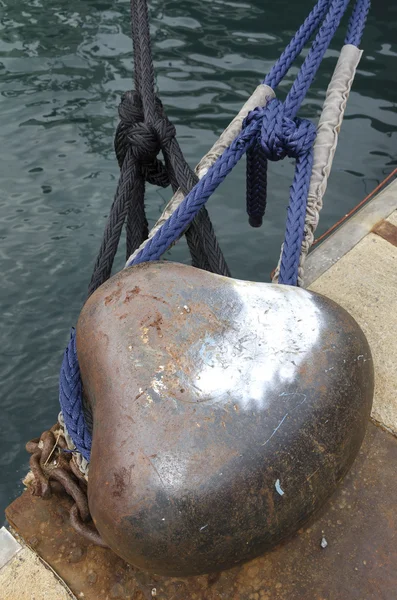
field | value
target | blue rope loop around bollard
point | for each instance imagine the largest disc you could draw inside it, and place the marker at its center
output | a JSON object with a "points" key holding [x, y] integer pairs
{"points": [[275, 132], [71, 399]]}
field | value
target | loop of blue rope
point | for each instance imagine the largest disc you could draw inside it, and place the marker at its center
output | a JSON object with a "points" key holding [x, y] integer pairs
{"points": [[276, 132]]}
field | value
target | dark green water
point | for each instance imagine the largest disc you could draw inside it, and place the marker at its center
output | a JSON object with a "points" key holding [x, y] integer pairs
{"points": [[63, 66]]}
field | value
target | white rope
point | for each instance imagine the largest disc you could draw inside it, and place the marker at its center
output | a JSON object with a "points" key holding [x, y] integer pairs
{"points": [[78, 458]]}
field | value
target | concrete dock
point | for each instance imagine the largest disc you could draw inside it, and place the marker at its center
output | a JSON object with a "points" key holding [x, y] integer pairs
{"points": [[349, 552], [357, 267], [24, 575]]}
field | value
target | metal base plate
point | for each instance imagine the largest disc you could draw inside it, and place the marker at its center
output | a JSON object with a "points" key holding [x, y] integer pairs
{"points": [[357, 529]]}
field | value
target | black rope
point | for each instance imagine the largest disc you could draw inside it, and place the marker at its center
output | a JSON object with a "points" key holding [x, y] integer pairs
{"points": [[143, 131]]}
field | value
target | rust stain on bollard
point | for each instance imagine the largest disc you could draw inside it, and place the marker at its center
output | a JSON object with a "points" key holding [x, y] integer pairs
{"points": [[359, 562]]}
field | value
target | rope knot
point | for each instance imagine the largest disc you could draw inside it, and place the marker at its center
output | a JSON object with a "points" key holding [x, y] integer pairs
{"points": [[282, 136], [143, 140], [130, 109], [144, 143], [147, 140]]}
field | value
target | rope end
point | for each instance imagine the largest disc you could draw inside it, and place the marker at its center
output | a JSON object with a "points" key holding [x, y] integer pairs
{"points": [[255, 221]]}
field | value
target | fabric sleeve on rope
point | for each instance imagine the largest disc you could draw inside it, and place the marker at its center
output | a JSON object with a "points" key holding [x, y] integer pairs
{"points": [[325, 145], [259, 98], [331, 119]]}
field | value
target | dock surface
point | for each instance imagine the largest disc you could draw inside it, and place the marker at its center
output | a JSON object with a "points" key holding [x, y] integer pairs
{"points": [[357, 267], [24, 575]]}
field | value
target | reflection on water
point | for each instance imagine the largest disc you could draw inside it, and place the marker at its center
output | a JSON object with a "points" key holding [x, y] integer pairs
{"points": [[63, 66]]}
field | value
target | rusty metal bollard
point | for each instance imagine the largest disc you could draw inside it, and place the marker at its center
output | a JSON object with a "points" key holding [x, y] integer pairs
{"points": [[225, 413]]}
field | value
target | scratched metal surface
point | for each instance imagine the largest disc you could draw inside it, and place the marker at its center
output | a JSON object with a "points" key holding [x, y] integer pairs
{"points": [[225, 413], [358, 527]]}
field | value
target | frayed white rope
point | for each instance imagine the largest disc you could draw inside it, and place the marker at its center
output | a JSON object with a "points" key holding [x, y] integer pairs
{"points": [[78, 458]]}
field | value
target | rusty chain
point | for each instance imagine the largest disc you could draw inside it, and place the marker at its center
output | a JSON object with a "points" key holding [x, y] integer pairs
{"points": [[55, 472]]}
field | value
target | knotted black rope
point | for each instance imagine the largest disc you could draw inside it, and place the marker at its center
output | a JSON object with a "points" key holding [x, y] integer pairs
{"points": [[143, 131]]}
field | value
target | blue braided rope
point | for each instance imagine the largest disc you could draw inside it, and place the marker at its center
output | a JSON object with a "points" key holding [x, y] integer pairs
{"points": [[312, 61], [294, 48], [70, 399], [256, 186], [295, 226], [173, 228], [294, 229], [256, 169], [357, 22], [279, 133]]}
